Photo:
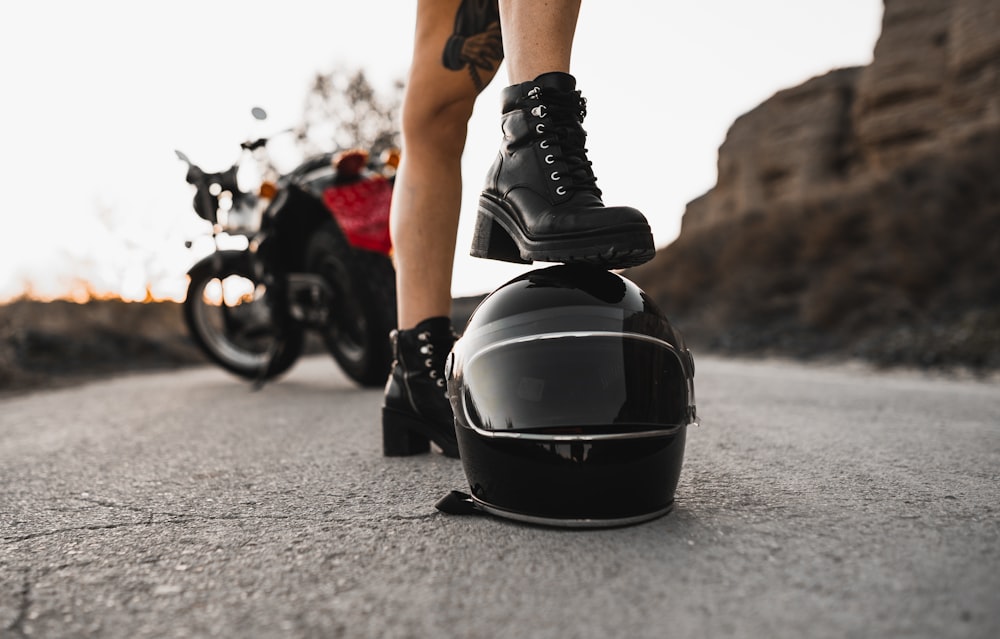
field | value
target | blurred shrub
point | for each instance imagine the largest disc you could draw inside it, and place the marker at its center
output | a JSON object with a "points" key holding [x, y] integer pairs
{"points": [[344, 110]]}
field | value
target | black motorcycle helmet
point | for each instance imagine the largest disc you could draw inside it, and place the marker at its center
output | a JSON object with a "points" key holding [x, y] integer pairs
{"points": [[572, 394]]}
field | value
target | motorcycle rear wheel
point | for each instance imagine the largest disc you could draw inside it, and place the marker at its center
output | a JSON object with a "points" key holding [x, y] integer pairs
{"points": [[364, 306], [229, 316]]}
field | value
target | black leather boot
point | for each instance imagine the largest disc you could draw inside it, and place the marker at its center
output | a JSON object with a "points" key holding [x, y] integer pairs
{"points": [[541, 200], [416, 410]]}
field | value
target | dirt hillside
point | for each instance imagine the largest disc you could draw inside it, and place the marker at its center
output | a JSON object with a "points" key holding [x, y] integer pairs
{"points": [[857, 214], [45, 343]]}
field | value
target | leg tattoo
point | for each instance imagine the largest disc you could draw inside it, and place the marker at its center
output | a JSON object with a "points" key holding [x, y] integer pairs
{"points": [[476, 43]]}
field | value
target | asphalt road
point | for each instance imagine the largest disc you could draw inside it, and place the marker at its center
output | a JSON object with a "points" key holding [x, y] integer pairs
{"points": [[814, 502]]}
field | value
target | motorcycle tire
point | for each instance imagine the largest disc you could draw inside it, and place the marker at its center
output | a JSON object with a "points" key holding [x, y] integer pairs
{"points": [[240, 335], [364, 305]]}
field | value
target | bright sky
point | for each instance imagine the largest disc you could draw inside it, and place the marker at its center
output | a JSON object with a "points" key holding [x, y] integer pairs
{"points": [[98, 94]]}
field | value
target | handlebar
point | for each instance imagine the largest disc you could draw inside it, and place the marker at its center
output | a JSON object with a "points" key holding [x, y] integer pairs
{"points": [[206, 203]]}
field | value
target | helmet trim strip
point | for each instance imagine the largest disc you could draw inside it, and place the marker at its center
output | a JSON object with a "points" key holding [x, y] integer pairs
{"points": [[587, 522], [585, 437], [564, 334]]}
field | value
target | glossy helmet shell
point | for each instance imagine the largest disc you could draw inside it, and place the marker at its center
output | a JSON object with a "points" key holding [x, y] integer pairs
{"points": [[572, 394]]}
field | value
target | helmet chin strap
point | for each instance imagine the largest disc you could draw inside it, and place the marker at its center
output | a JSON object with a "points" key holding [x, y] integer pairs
{"points": [[459, 503]]}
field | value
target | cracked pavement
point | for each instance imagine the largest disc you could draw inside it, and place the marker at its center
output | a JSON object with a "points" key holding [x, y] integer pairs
{"points": [[820, 501]]}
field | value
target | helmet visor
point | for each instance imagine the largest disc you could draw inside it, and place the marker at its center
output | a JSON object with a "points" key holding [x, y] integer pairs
{"points": [[575, 384]]}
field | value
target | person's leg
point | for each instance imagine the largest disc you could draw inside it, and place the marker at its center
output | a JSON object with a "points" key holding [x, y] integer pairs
{"points": [[457, 51], [436, 108], [538, 36], [541, 201]]}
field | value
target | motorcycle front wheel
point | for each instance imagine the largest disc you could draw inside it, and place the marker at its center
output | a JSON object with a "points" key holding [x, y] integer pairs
{"points": [[363, 308], [228, 313]]}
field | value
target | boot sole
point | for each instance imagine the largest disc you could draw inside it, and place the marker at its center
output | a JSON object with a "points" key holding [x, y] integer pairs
{"points": [[498, 236], [404, 435]]}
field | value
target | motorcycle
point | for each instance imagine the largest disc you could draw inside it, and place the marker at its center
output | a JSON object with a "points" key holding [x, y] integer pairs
{"points": [[317, 257]]}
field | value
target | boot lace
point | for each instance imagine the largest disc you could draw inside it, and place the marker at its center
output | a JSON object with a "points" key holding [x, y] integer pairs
{"points": [[435, 353], [562, 115]]}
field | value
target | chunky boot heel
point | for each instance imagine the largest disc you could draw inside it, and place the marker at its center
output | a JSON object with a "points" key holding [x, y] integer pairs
{"points": [[398, 440], [541, 197], [416, 410], [491, 240]]}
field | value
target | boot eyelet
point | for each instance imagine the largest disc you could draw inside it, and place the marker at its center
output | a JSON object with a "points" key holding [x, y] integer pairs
{"points": [[423, 337], [440, 384], [539, 128], [544, 144], [428, 363], [539, 111], [427, 349], [549, 159], [433, 374], [561, 190], [555, 177]]}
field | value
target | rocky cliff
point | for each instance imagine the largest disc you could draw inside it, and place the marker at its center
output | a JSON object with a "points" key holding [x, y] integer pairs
{"points": [[934, 83], [859, 213]]}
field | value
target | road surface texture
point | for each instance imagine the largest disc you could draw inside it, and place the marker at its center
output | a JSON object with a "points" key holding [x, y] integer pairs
{"points": [[814, 502]]}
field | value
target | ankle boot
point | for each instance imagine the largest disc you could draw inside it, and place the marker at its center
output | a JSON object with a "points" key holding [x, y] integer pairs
{"points": [[541, 200], [416, 410]]}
